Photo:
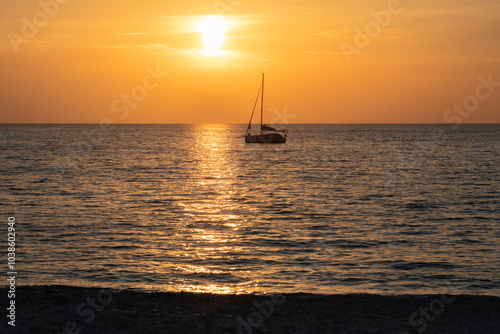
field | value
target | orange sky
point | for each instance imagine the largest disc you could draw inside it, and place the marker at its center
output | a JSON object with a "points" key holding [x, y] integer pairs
{"points": [[83, 58]]}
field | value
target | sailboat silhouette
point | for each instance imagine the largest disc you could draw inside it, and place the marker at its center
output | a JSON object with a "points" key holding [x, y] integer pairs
{"points": [[268, 134]]}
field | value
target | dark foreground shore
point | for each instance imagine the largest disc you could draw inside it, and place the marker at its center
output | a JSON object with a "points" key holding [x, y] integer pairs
{"points": [[64, 309]]}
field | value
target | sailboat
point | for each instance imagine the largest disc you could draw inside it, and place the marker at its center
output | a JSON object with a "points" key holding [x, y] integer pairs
{"points": [[268, 134]]}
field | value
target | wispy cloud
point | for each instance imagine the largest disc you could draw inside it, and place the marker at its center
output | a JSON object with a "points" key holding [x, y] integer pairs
{"points": [[387, 33], [130, 33], [314, 52], [150, 46], [337, 33]]}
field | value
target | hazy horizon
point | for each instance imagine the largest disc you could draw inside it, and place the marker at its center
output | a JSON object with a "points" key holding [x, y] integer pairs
{"points": [[244, 124]]}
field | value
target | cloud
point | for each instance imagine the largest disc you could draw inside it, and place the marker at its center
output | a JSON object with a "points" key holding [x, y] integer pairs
{"points": [[314, 52], [155, 46], [150, 46], [338, 33], [130, 33], [385, 33]]}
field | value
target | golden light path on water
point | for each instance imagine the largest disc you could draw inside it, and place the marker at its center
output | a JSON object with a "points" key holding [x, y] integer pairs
{"points": [[213, 210]]}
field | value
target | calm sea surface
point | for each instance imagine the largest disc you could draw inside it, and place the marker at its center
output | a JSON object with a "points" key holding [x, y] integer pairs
{"points": [[387, 209]]}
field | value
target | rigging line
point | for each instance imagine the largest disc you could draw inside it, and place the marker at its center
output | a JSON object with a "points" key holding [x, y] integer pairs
{"points": [[257, 100]]}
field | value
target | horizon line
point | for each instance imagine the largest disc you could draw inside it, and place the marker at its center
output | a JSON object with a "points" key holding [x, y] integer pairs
{"points": [[279, 124]]}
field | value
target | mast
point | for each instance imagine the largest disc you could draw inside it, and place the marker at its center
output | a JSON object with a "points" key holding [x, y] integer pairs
{"points": [[262, 104], [253, 110]]}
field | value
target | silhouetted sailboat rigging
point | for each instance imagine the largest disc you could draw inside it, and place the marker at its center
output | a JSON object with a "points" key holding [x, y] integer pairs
{"points": [[268, 134]]}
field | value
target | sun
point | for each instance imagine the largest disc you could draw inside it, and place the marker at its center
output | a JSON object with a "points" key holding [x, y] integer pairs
{"points": [[213, 31]]}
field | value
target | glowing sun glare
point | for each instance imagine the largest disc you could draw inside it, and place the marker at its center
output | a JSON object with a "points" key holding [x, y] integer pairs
{"points": [[212, 29]]}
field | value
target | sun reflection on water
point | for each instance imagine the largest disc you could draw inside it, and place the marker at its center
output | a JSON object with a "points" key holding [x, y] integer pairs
{"points": [[211, 215]]}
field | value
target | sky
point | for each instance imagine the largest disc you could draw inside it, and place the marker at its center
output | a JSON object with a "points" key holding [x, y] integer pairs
{"points": [[152, 61]]}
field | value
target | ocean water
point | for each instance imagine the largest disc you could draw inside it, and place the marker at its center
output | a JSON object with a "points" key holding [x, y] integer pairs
{"points": [[386, 209]]}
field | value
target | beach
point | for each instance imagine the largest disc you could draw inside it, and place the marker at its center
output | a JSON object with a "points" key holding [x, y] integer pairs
{"points": [[66, 309]]}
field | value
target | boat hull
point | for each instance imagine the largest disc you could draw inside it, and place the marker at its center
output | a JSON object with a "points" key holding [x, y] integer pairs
{"points": [[266, 138]]}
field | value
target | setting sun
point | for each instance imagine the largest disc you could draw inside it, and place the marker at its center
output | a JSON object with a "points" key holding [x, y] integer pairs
{"points": [[213, 29]]}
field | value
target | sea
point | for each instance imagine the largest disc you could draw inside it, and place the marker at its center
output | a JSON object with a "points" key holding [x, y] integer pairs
{"points": [[382, 209]]}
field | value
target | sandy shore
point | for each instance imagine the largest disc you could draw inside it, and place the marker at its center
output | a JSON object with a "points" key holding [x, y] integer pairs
{"points": [[63, 309]]}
